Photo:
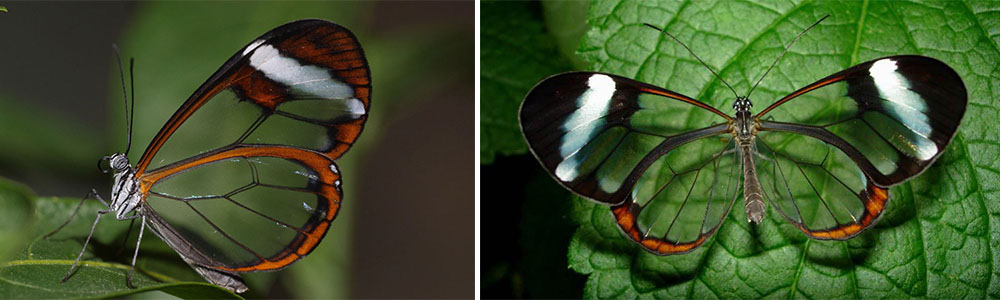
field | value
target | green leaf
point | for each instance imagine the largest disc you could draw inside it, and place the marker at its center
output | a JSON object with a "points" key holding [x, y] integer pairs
{"points": [[516, 53], [36, 272], [939, 237], [16, 217], [564, 22]]}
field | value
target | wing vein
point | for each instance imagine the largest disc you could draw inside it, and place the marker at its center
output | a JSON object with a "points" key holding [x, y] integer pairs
{"points": [[816, 191], [684, 203], [223, 232]]}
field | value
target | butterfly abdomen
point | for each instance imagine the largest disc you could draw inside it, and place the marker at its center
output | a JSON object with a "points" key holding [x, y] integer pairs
{"points": [[751, 185]]}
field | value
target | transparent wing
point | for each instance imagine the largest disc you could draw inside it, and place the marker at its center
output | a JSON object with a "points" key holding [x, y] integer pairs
{"points": [[597, 133], [683, 197], [246, 208], [243, 172], [829, 157], [816, 186], [304, 84], [659, 157]]}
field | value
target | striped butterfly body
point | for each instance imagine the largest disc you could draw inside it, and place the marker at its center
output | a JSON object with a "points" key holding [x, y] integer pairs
{"points": [[242, 177], [672, 167]]}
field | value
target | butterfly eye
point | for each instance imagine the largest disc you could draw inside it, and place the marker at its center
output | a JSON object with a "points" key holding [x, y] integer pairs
{"points": [[101, 166]]}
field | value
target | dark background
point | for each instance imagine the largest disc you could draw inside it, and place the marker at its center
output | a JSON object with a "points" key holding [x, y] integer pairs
{"points": [[409, 192], [526, 233]]}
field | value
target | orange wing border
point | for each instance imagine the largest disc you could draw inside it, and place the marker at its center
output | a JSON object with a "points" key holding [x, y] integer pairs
{"points": [[874, 198], [626, 215], [327, 188]]}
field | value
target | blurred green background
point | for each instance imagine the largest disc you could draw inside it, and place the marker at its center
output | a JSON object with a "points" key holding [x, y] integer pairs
{"points": [[405, 229]]}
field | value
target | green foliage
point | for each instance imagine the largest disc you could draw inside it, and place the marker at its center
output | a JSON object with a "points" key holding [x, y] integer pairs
{"points": [[938, 237], [16, 217], [508, 29], [36, 272]]}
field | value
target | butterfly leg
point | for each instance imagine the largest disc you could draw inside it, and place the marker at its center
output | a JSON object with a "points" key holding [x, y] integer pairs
{"points": [[142, 228], [92, 227], [92, 193]]}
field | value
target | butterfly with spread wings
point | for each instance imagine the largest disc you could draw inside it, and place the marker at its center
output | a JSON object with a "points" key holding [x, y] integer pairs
{"points": [[243, 176], [824, 156]]}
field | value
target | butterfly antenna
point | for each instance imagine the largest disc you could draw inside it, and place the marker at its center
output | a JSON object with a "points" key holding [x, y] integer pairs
{"points": [[696, 57], [131, 109], [121, 74], [783, 53]]}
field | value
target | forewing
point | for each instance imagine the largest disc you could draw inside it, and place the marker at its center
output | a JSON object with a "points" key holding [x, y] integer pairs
{"points": [[242, 177], [596, 134], [897, 112], [246, 208], [304, 84]]}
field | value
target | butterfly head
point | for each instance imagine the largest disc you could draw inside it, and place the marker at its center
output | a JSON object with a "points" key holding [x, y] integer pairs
{"points": [[117, 163], [742, 104], [744, 124]]}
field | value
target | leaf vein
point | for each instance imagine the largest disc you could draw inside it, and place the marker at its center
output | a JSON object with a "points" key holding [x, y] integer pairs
{"points": [[800, 267]]}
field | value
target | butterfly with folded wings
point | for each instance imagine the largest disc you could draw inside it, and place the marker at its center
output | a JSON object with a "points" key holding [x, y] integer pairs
{"points": [[243, 176]]}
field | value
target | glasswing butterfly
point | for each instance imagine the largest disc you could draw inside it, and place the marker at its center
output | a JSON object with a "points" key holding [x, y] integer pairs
{"points": [[254, 185], [671, 167]]}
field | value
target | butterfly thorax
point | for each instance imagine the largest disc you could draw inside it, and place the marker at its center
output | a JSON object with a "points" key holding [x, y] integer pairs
{"points": [[744, 130], [124, 193]]}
